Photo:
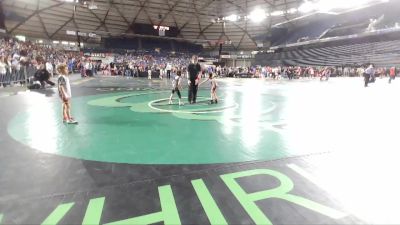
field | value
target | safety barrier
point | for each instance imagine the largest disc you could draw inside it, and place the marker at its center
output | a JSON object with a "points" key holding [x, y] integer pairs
{"points": [[17, 77]]}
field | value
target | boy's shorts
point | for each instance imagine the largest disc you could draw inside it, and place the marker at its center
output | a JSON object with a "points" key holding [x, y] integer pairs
{"points": [[65, 100]]}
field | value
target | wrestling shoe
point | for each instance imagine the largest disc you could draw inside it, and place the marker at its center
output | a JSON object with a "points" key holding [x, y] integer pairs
{"points": [[71, 121]]}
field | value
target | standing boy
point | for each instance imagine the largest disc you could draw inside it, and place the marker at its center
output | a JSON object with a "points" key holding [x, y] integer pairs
{"points": [[176, 87], [64, 90], [213, 91]]}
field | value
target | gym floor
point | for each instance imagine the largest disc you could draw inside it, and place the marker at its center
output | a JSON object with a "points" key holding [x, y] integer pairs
{"points": [[270, 152]]}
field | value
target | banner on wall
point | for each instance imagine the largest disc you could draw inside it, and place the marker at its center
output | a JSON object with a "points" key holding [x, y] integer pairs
{"points": [[81, 34], [104, 57]]}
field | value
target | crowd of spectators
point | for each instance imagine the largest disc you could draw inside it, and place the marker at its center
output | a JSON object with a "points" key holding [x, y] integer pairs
{"points": [[20, 59], [17, 57], [138, 63], [295, 72]]}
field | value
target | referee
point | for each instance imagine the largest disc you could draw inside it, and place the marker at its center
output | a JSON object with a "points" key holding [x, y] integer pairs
{"points": [[194, 70]]}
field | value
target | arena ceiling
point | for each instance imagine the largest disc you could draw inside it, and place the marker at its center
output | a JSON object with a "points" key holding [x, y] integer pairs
{"points": [[197, 20]]}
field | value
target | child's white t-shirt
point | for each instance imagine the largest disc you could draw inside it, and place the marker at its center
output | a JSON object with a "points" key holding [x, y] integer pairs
{"points": [[176, 82], [63, 81]]}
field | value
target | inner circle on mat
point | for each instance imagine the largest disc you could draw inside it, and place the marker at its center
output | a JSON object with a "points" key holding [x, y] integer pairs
{"points": [[202, 106], [118, 130]]}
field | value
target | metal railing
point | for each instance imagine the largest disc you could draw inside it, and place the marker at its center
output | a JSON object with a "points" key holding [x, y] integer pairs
{"points": [[17, 77]]}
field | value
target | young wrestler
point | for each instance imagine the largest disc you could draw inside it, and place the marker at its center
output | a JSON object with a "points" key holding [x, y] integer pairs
{"points": [[176, 87], [64, 90], [214, 85]]}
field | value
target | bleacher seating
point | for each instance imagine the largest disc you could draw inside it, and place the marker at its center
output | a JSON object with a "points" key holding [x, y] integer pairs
{"points": [[150, 44], [381, 53], [312, 31]]}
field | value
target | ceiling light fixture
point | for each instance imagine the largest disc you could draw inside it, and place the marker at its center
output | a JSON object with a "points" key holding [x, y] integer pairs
{"points": [[278, 13], [257, 15], [291, 11], [232, 18], [307, 7]]}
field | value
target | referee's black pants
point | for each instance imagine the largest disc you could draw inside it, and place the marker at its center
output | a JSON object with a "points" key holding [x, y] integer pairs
{"points": [[366, 79], [192, 92]]}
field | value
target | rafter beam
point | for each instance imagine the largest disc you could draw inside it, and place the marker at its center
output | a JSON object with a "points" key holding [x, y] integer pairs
{"points": [[33, 14], [198, 21], [148, 16], [270, 4], [105, 17], [173, 16], [216, 44], [171, 9], [102, 23], [204, 29], [129, 3], [245, 26], [236, 5], [245, 31], [44, 27], [60, 28], [201, 9], [286, 16], [41, 21], [205, 38], [197, 14], [75, 23], [224, 34], [119, 12], [142, 5], [240, 42]]}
